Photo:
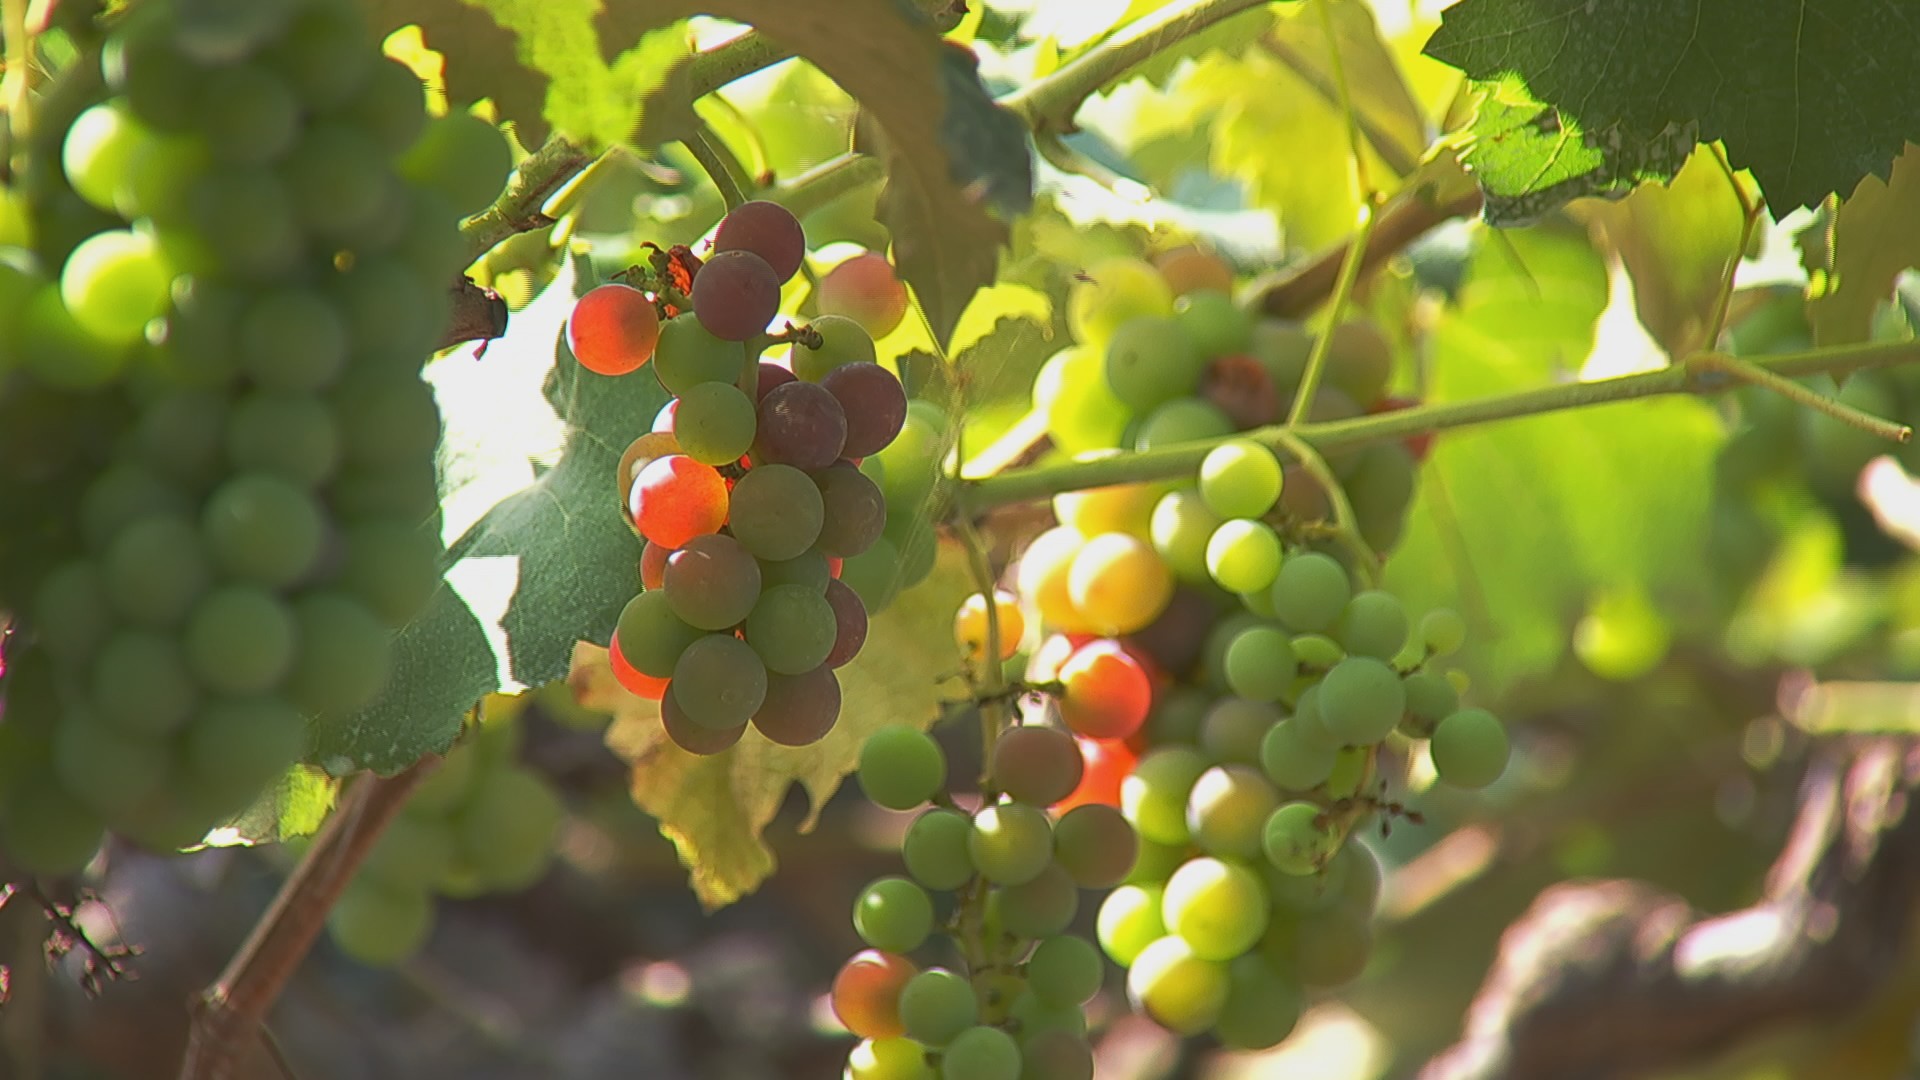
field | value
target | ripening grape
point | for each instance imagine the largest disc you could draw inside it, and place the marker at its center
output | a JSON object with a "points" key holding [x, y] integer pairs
{"points": [[1231, 729], [1228, 808], [850, 616], [1469, 748], [1112, 292], [1042, 577], [865, 289], [867, 990], [719, 682], [1240, 479], [675, 499], [1037, 908], [901, 767], [650, 636], [799, 710], [1011, 843], [776, 511], [1178, 989], [613, 329], [767, 229], [1081, 410], [713, 422], [874, 402], [691, 736], [800, 424], [1108, 761], [854, 511], [1190, 269], [937, 1005], [712, 582], [1106, 692], [970, 625], [1296, 840], [735, 295], [1035, 764], [792, 627], [1117, 583]]}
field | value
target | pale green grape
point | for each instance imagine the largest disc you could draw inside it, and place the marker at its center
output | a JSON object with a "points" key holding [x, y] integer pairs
{"points": [[1244, 556], [1180, 990], [1240, 479], [1469, 748], [1218, 907]]}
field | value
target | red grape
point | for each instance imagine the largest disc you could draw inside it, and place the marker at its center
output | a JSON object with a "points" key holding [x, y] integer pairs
{"points": [[692, 737], [1107, 764], [799, 709], [712, 581], [613, 328], [735, 295], [633, 679], [865, 289], [875, 404], [866, 993], [1107, 693], [855, 511], [851, 616], [653, 565], [771, 375], [1035, 764], [768, 230], [801, 425], [675, 499]]}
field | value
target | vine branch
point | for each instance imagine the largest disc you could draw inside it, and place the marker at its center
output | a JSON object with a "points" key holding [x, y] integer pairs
{"points": [[518, 208]]}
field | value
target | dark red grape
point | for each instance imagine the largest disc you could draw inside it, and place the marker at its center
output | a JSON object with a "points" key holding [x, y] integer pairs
{"points": [[799, 709], [851, 616], [690, 736], [712, 582], [768, 230], [771, 375], [802, 425], [855, 510], [1176, 639], [1035, 764], [735, 295], [875, 404]]}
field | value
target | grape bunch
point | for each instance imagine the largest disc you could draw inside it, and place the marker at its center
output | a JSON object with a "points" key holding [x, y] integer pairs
{"points": [[239, 258], [1004, 882], [764, 526], [481, 822]]}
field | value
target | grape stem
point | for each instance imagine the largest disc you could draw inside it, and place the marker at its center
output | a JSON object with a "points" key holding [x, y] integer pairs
{"points": [[1697, 375], [520, 206], [16, 87], [1345, 525], [1748, 371], [718, 159], [228, 1017]]}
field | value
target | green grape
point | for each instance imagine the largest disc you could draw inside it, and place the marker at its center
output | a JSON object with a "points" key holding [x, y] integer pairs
{"points": [[1154, 796], [1296, 841], [293, 339], [1260, 665], [161, 172], [1291, 761], [385, 416], [1233, 728], [380, 926], [1313, 730], [651, 636], [1011, 843], [937, 1005], [777, 511], [1443, 631], [262, 529], [902, 767], [719, 682], [981, 1053], [712, 582], [1361, 700], [71, 614], [842, 341], [1177, 716], [1240, 479], [714, 423], [1053, 1054], [893, 915], [1262, 1005], [935, 849], [1113, 292], [448, 786], [1374, 624], [1322, 949], [1178, 989], [1219, 907], [909, 462], [1430, 698], [391, 314], [345, 655], [180, 432], [1035, 1016], [237, 746], [155, 569], [1154, 863], [1244, 555], [918, 549], [1317, 652], [1381, 487], [340, 185], [888, 1059], [1071, 391], [1064, 971], [687, 355], [809, 568], [111, 772], [1038, 908], [461, 157], [45, 831], [1182, 420], [59, 351], [508, 826], [1469, 749], [390, 105], [1216, 325], [1095, 846], [1181, 526], [243, 220], [390, 565], [1227, 812], [99, 147], [793, 629], [1129, 921], [1310, 593], [1150, 362], [1213, 652], [413, 852], [240, 639]]}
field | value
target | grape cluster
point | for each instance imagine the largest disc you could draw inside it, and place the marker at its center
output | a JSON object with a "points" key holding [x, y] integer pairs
{"points": [[765, 529], [1019, 870], [481, 822], [242, 253]]}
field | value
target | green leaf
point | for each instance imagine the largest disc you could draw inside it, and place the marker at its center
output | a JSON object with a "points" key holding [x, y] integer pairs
{"points": [[541, 553], [1518, 523], [991, 305], [1874, 235], [1385, 109], [1810, 97], [295, 806], [716, 809]]}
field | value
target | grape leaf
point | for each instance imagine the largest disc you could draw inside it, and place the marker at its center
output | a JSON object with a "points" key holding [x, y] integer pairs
{"points": [[1382, 104], [1518, 523], [716, 809], [1873, 236], [540, 553], [295, 806], [1810, 97]]}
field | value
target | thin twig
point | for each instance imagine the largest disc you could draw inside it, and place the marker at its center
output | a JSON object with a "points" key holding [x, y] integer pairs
{"points": [[717, 159], [1750, 211], [1346, 526], [1748, 371]]}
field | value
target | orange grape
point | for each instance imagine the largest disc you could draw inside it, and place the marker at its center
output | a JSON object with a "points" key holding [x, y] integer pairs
{"points": [[866, 993], [612, 329]]}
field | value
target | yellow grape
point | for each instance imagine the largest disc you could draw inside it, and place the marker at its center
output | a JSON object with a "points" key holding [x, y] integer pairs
{"points": [[970, 625], [1119, 583]]}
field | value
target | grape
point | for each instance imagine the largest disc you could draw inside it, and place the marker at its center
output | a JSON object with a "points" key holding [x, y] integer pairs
{"points": [[935, 849], [1118, 583], [99, 145], [1176, 988], [390, 314], [1296, 842], [1469, 749], [867, 991], [1053, 1054], [1232, 729], [385, 417], [1443, 631], [1291, 761], [262, 529], [290, 435], [970, 627], [111, 772], [712, 582], [874, 403], [1182, 420], [801, 424], [768, 230], [1260, 665], [777, 511], [687, 354], [114, 283], [809, 568], [690, 736], [850, 616], [910, 461], [874, 574], [1240, 479], [155, 569], [461, 157], [1071, 391], [1154, 798], [1011, 843], [1036, 765], [45, 831], [651, 636], [865, 290], [1214, 323], [378, 925], [937, 1005], [1311, 592], [1064, 971], [613, 329], [244, 222], [888, 1059], [343, 658], [1150, 362], [71, 614], [1324, 948], [735, 295], [1095, 845], [1129, 921], [1117, 508], [981, 1053], [1375, 624], [1262, 1005], [246, 114], [1244, 556], [792, 627], [508, 826], [1360, 885], [800, 709], [1193, 272], [675, 499], [719, 682], [854, 511], [1361, 700], [1176, 639], [58, 351], [900, 767], [1381, 486], [158, 177], [1228, 808], [1107, 694], [390, 106], [338, 178], [1317, 652], [1430, 698], [1037, 908], [1110, 293], [237, 746], [240, 640], [842, 341], [1182, 525], [713, 422], [415, 852], [632, 679], [893, 915], [1218, 907]]}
